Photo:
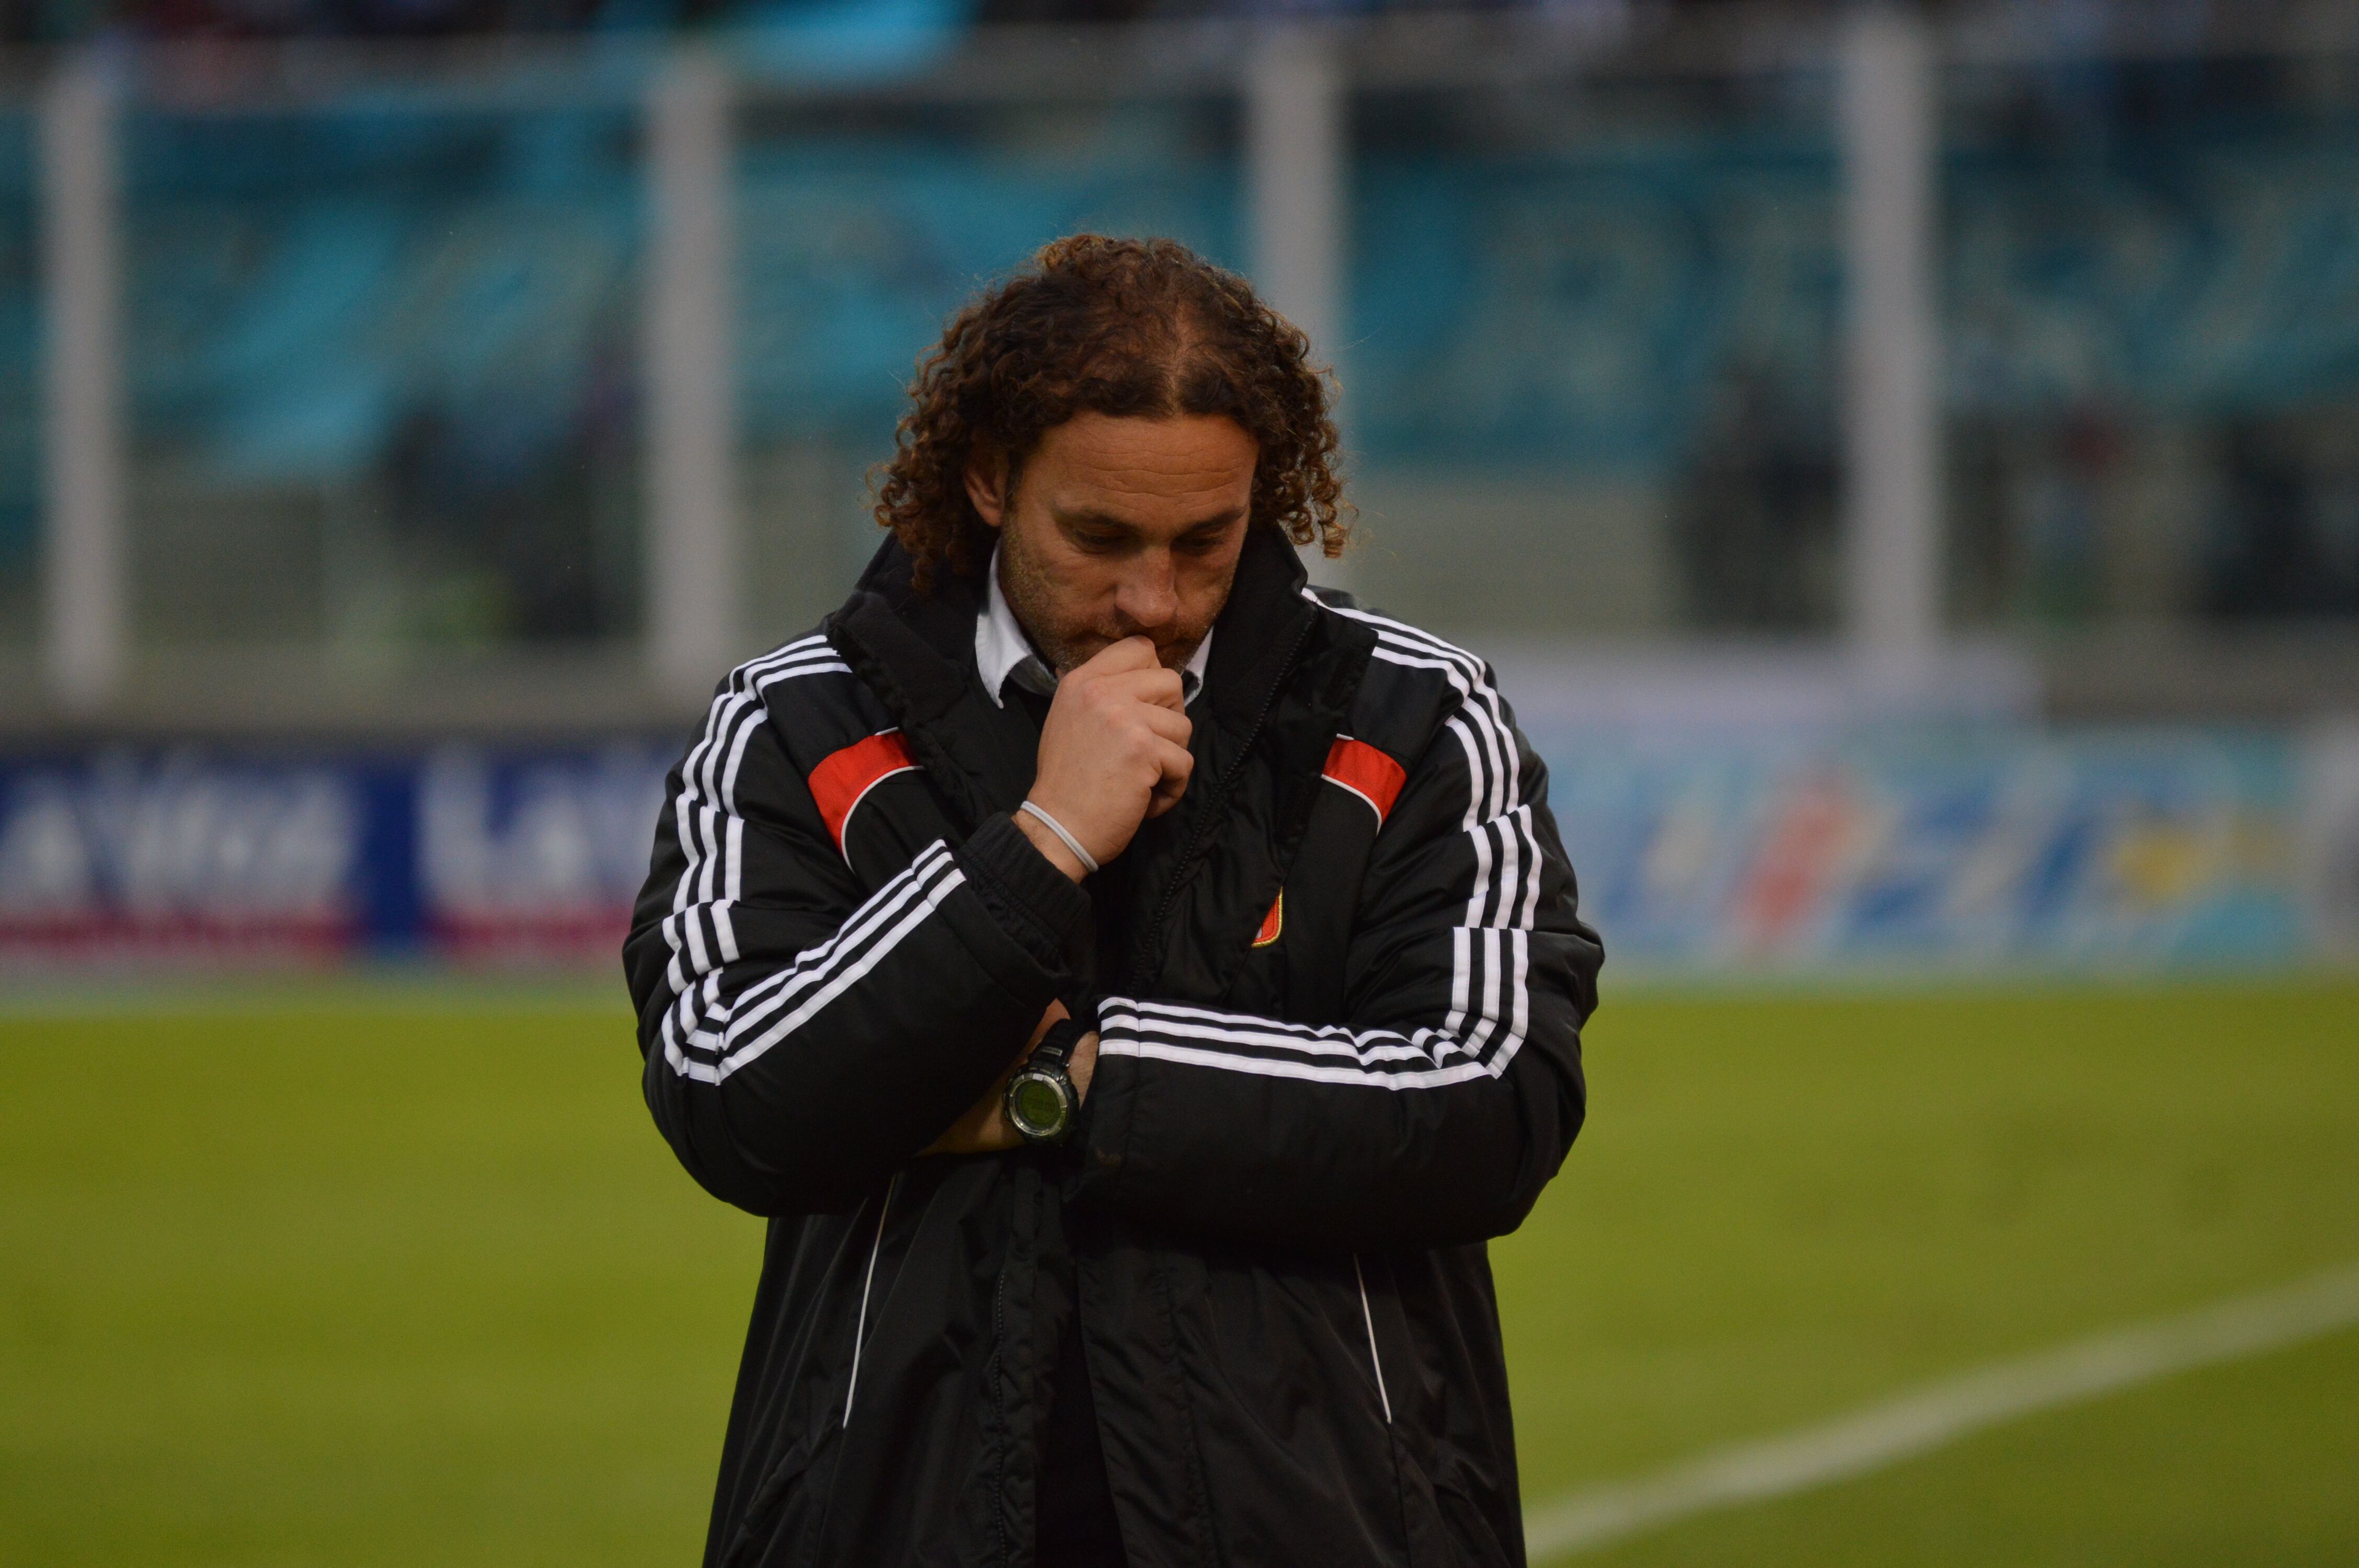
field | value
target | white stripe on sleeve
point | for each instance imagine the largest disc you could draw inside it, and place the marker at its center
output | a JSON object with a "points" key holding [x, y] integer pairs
{"points": [[705, 819], [707, 1036]]}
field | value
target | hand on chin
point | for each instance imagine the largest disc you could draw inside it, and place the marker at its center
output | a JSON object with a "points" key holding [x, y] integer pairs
{"points": [[1081, 650]]}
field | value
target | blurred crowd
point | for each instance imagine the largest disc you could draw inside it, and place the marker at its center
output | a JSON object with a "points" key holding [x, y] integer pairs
{"points": [[45, 21]]}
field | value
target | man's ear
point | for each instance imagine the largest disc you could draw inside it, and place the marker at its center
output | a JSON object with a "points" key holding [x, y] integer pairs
{"points": [[987, 485]]}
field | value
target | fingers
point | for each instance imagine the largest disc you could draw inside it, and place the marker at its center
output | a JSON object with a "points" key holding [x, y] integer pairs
{"points": [[1132, 668], [1173, 727], [1175, 764], [1168, 692], [1153, 685], [1130, 653]]}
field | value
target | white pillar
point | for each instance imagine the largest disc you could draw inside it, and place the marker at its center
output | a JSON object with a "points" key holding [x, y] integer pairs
{"points": [[87, 632], [1295, 170], [691, 418], [1892, 437]]}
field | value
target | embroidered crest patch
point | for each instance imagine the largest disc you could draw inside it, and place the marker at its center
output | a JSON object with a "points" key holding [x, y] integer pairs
{"points": [[1272, 923]]}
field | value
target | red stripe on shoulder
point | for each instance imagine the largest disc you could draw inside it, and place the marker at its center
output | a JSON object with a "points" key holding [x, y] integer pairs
{"points": [[843, 777], [1367, 773]]}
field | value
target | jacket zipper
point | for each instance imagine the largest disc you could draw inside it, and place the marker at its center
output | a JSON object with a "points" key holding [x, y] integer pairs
{"points": [[999, 1412], [1200, 840], [868, 1280], [1376, 1356]]}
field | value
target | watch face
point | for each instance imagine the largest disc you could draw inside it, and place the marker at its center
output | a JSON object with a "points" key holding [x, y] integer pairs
{"points": [[1036, 1105]]}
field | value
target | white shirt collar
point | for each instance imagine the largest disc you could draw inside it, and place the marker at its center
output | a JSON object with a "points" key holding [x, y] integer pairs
{"points": [[1003, 652]]}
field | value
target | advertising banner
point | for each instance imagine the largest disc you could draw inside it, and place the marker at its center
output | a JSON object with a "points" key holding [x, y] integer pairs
{"points": [[202, 856], [2001, 848], [1994, 847]]}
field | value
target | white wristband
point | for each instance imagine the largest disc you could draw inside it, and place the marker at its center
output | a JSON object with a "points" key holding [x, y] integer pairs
{"points": [[1053, 826]]}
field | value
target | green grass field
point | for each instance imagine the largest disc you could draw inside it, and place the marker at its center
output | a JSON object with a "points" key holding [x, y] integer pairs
{"points": [[361, 1277]]}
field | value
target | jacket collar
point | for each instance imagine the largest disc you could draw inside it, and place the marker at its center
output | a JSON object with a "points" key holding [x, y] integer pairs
{"points": [[918, 654], [1259, 632]]}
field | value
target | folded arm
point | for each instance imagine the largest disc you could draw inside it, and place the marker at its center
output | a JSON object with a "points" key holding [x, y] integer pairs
{"points": [[802, 1040], [1436, 1113]]}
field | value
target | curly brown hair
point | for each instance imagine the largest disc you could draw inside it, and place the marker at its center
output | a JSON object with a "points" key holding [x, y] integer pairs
{"points": [[1124, 328]]}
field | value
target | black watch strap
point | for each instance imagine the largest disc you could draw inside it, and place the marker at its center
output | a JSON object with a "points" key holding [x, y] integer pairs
{"points": [[1056, 1047]]}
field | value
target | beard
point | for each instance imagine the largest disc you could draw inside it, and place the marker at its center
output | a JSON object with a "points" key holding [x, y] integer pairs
{"points": [[1067, 642]]}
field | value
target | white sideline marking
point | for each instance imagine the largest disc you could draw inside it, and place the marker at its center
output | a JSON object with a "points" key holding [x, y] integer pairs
{"points": [[1899, 1428]]}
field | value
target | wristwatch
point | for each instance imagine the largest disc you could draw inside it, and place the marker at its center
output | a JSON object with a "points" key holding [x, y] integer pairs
{"points": [[1041, 1100]]}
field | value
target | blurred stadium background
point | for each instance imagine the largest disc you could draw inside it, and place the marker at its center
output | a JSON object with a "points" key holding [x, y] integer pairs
{"points": [[1903, 459]]}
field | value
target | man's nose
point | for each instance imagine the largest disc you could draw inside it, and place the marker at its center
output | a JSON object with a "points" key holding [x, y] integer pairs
{"points": [[1147, 598]]}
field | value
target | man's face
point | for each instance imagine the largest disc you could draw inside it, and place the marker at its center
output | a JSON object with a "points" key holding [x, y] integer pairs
{"points": [[1122, 528]]}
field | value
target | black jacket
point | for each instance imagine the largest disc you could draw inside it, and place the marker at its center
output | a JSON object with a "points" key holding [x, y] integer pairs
{"points": [[1340, 1049]]}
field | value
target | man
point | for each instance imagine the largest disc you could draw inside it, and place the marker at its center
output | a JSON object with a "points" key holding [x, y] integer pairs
{"points": [[1261, 890]]}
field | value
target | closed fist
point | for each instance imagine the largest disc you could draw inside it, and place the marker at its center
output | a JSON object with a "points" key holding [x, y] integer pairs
{"points": [[1113, 754]]}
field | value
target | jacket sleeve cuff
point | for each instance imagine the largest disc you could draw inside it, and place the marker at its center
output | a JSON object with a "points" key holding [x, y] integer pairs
{"points": [[1036, 903]]}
